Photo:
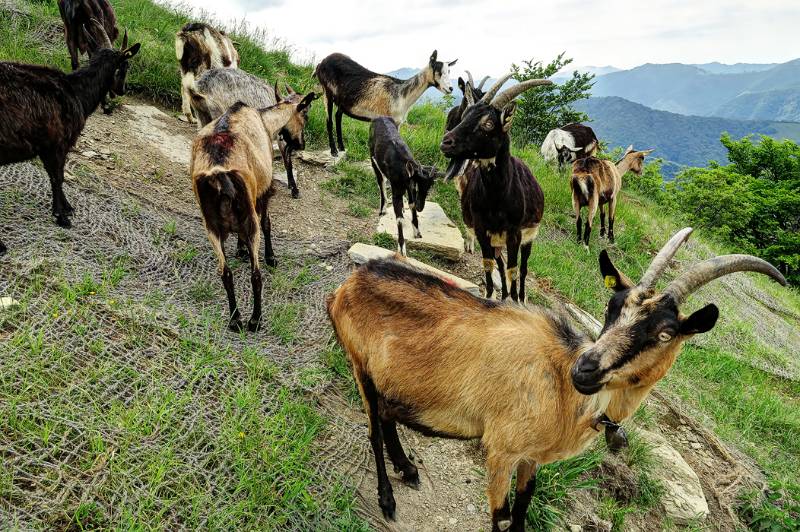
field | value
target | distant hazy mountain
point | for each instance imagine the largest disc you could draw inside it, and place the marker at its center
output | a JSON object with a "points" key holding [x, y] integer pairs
{"points": [[712, 89], [680, 140], [597, 71]]}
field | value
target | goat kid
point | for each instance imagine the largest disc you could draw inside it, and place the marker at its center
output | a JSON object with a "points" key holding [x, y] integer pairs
{"points": [[502, 203], [200, 47], [568, 143], [527, 382], [76, 14], [219, 88], [44, 110], [362, 94], [231, 169], [597, 182], [392, 160]]}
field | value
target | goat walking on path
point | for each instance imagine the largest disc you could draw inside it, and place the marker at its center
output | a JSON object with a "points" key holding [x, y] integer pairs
{"points": [[528, 383], [44, 110]]}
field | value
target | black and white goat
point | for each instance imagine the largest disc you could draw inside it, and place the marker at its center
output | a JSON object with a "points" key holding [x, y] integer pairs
{"points": [[392, 160], [199, 47], [44, 110], [569, 143], [76, 14], [502, 203], [362, 94], [219, 88]]}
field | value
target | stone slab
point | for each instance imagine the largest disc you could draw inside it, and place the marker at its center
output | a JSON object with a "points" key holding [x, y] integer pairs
{"points": [[8, 303], [361, 253], [439, 234]]}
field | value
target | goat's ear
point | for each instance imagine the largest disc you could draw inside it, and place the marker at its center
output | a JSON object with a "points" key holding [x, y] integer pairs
{"points": [[433, 56], [277, 92], [124, 40], [612, 277], [507, 116], [133, 50], [411, 168], [701, 321], [628, 150], [648, 152], [306, 101], [453, 62], [461, 84]]}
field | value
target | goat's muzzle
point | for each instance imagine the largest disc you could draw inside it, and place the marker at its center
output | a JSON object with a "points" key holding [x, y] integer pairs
{"points": [[586, 374], [448, 144]]}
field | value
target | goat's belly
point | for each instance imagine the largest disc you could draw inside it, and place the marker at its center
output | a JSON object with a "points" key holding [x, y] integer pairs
{"points": [[528, 235]]}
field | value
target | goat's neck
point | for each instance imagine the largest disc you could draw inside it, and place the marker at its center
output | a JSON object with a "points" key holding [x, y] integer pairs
{"points": [[92, 82], [412, 88], [274, 118], [496, 168], [624, 165]]}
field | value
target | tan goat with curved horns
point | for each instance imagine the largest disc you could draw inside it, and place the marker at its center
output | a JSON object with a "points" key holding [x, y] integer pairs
{"points": [[531, 386]]}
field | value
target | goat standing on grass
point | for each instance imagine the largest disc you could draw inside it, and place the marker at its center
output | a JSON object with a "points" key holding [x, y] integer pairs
{"points": [[597, 182], [76, 14], [527, 382], [568, 143], [362, 94], [392, 160], [199, 47], [219, 88], [502, 203], [231, 171], [44, 110]]}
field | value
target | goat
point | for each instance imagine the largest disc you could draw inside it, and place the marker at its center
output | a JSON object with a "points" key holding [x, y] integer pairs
{"points": [[568, 143], [392, 160], [199, 47], [362, 94], [44, 110], [76, 14], [527, 382], [596, 182], [219, 88], [502, 203], [455, 169], [231, 170]]}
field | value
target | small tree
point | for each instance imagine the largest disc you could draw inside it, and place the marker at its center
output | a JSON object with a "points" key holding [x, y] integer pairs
{"points": [[548, 107]]}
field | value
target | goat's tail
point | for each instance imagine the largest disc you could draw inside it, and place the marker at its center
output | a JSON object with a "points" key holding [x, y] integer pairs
{"points": [[582, 188], [224, 201]]}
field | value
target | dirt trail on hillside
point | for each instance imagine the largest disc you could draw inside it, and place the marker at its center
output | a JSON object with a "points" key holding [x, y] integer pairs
{"points": [[129, 183]]}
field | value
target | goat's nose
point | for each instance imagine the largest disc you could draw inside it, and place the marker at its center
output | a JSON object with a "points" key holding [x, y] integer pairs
{"points": [[447, 142], [587, 365]]}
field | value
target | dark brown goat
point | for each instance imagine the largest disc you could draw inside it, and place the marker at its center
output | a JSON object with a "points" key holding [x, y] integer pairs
{"points": [[502, 203], [76, 14], [456, 167], [44, 110]]}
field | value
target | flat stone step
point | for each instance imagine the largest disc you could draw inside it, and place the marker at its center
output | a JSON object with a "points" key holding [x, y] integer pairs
{"points": [[361, 253], [439, 234], [7, 303], [320, 157]]}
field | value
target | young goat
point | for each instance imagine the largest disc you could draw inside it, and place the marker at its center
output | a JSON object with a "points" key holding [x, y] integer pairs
{"points": [[392, 160], [362, 94], [44, 110], [502, 203], [595, 183], [231, 169], [76, 14], [219, 88], [568, 143], [200, 47], [526, 382]]}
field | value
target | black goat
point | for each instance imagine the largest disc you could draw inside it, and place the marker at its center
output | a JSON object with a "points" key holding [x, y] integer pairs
{"points": [[362, 94], [44, 110], [76, 14], [457, 166], [392, 159], [502, 203]]}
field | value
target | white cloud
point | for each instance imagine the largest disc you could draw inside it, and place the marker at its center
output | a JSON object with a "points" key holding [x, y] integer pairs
{"points": [[487, 36]]}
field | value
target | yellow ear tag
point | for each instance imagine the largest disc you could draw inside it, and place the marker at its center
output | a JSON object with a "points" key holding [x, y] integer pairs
{"points": [[610, 281]]}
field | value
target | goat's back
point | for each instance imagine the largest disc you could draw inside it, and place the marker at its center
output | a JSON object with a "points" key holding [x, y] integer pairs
{"points": [[223, 87], [358, 91], [583, 136], [606, 179], [387, 148], [77, 13]]}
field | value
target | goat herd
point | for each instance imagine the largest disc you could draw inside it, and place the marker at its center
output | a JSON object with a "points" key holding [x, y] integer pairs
{"points": [[532, 386]]}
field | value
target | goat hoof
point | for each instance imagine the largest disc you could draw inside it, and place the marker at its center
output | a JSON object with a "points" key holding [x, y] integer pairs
{"points": [[63, 220], [3, 249], [235, 325], [295, 193], [272, 262], [388, 506], [505, 524], [411, 478], [254, 324]]}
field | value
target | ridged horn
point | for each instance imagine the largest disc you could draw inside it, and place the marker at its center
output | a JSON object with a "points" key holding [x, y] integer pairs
{"points": [[487, 98], [480, 85], [469, 75], [100, 32], [661, 260], [710, 269], [505, 97]]}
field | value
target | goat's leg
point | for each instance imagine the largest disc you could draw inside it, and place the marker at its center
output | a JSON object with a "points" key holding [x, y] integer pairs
{"points": [[241, 249], [397, 203], [235, 317], [266, 228], [526, 485], [385, 492], [602, 221], [3, 248], [498, 470], [339, 128], [487, 252], [286, 155], [54, 165], [187, 80], [415, 223], [381, 185], [255, 281], [512, 273], [612, 214], [525, 252], [397, 455], [501, 270], [592, 210], [329, 122], [72, 46]]}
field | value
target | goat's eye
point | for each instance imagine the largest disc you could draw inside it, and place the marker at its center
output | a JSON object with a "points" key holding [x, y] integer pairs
{"points": [[664, 336], [488, 125]]}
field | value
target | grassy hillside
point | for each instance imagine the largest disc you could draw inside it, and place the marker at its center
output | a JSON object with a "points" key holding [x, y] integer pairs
{"points": [[678, 139]]}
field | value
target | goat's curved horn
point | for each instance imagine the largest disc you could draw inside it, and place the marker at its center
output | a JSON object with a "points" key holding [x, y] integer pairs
{"points": [[480, 85], [469, 75], [710, 269], [661, 260], [487, 98], [505, 97], [100, 31]]}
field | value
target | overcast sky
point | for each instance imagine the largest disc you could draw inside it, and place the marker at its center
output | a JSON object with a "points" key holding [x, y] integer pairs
{"points": [[488, 35]]}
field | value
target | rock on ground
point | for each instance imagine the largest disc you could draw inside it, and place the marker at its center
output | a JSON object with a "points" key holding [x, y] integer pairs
{"points": [[439, 234], [361, 253]]}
